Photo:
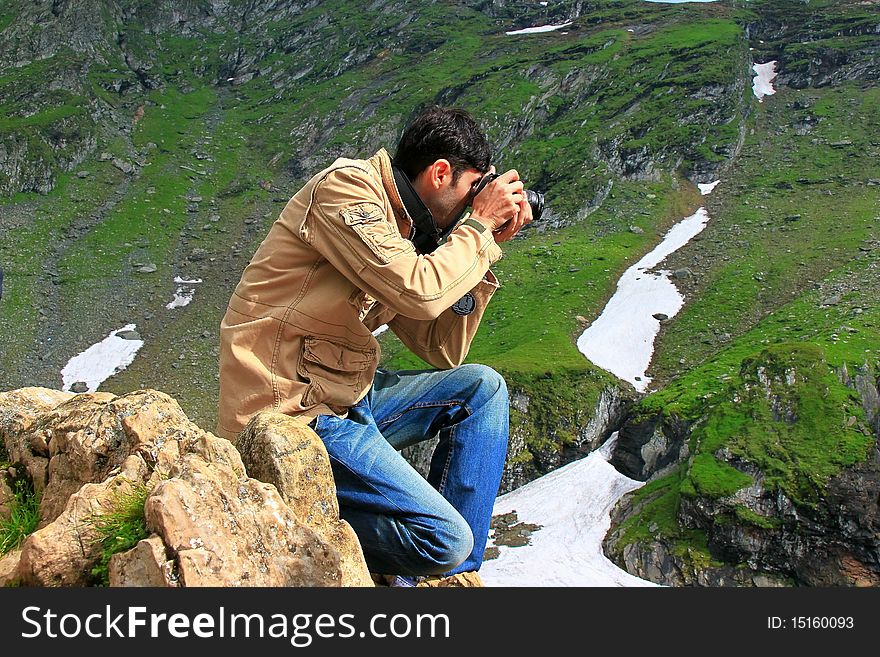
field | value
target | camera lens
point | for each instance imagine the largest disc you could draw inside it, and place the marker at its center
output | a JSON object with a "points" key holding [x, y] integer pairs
{"points": [[536, 200]]}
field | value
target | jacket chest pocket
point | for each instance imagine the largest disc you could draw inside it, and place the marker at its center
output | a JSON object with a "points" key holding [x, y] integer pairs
{"points": [[370, 224], [336, 373]]}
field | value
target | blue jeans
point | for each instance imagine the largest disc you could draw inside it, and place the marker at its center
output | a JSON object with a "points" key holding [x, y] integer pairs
{"points": [[408, 525]]}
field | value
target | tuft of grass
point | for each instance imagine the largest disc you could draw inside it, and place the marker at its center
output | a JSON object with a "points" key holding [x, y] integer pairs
{"points": [[120, 529], [23, 519]]}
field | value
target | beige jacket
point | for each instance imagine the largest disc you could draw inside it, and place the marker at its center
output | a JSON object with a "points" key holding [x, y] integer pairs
{"points": [[335, 266]]}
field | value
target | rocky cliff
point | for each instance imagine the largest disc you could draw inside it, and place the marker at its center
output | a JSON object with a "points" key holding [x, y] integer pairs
{"points": [[776, 481], [132, 493]]}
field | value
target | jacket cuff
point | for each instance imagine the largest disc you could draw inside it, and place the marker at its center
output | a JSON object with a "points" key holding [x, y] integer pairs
{"points": [[492, 250]]}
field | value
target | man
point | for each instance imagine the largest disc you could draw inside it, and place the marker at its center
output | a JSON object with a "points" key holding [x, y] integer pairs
{"points": [[340, 262]]}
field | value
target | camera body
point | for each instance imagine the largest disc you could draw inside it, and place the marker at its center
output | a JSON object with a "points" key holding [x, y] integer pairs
{"points": [[533, 198]]}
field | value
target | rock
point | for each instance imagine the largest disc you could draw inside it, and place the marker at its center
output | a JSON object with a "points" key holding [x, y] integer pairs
{"points": [[520, 402], [79, 386], [832, 300], [19, 409], [684, 272], [573, 269], [649, 447], [9, 567], [122, 165], [6, 497], [243, 535], [63, 552], [198, 254], [82, 174], [469, 579], [128, 335], [148, 269], [662, 317], [636, 229], [278, 450], [146, 564]]}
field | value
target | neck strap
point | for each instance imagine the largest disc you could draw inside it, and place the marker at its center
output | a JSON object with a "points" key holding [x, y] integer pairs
{"points": [[426, 236]]}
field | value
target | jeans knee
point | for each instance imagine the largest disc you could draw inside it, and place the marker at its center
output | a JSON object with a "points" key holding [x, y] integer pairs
{"points": [[488, 380], [446, 546]]}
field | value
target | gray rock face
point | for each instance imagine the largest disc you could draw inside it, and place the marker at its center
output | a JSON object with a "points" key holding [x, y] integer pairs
{"points": [[648, 448]]}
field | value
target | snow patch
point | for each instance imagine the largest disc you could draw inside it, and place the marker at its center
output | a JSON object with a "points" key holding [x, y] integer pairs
{"points": [[572, 505], [764, 75], [542, 28], [184, 293], [706, 188], [621, 340], [101, 361]]}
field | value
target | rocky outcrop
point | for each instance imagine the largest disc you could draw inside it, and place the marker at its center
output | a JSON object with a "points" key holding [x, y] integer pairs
{"points": [[819, 48], [278, 450], [742, 516], [208, 522]]}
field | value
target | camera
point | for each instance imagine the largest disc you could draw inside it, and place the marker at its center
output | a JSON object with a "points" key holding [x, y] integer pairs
{"points": [[533, 198]]}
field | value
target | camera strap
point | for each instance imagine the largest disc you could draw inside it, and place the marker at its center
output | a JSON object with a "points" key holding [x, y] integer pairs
{"points": [[426, 236]]}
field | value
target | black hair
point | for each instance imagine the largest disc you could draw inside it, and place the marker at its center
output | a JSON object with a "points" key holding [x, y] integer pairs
{"points": [[443, 133]]}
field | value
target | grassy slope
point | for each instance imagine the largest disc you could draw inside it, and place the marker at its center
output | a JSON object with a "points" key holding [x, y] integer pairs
{"points": [[782, 279]]}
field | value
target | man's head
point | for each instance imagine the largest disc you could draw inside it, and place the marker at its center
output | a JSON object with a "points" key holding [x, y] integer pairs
{"points": [[444, 153]]}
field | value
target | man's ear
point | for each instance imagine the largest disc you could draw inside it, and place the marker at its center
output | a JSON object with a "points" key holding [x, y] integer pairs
{"points": [[440, 173]]}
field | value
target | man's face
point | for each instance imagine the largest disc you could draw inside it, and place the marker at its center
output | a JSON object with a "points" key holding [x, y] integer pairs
{"points": [[445, 198]]}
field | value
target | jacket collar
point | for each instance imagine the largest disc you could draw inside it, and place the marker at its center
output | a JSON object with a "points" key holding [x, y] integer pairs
{"points": [[382, 161]]}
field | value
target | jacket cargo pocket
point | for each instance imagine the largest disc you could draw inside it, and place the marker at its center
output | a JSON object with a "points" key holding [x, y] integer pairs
{"points": [[336, 373], [368, 220]]}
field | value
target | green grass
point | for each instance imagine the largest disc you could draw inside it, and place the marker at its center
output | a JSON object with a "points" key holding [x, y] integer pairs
{"points": [[120, 529], [774, 259], [656, 506], [23, 518]]}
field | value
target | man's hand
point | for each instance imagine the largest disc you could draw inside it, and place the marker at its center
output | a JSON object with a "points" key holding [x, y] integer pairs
{"points": [[502, 206], [512, 227]]}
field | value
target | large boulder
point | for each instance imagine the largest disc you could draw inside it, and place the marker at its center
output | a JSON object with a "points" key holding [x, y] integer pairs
{"points": [[281, 451], [18, 411]]}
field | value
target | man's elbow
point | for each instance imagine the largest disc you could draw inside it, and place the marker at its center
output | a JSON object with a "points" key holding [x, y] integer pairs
{"points": [[422, 309]]}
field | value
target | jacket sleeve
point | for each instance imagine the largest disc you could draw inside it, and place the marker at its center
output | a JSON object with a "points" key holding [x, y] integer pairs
{"points": [[348, 225], [444, 342]]}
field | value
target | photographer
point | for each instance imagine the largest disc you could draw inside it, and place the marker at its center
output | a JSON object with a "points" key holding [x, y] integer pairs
{"points": [[363, 244]]}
